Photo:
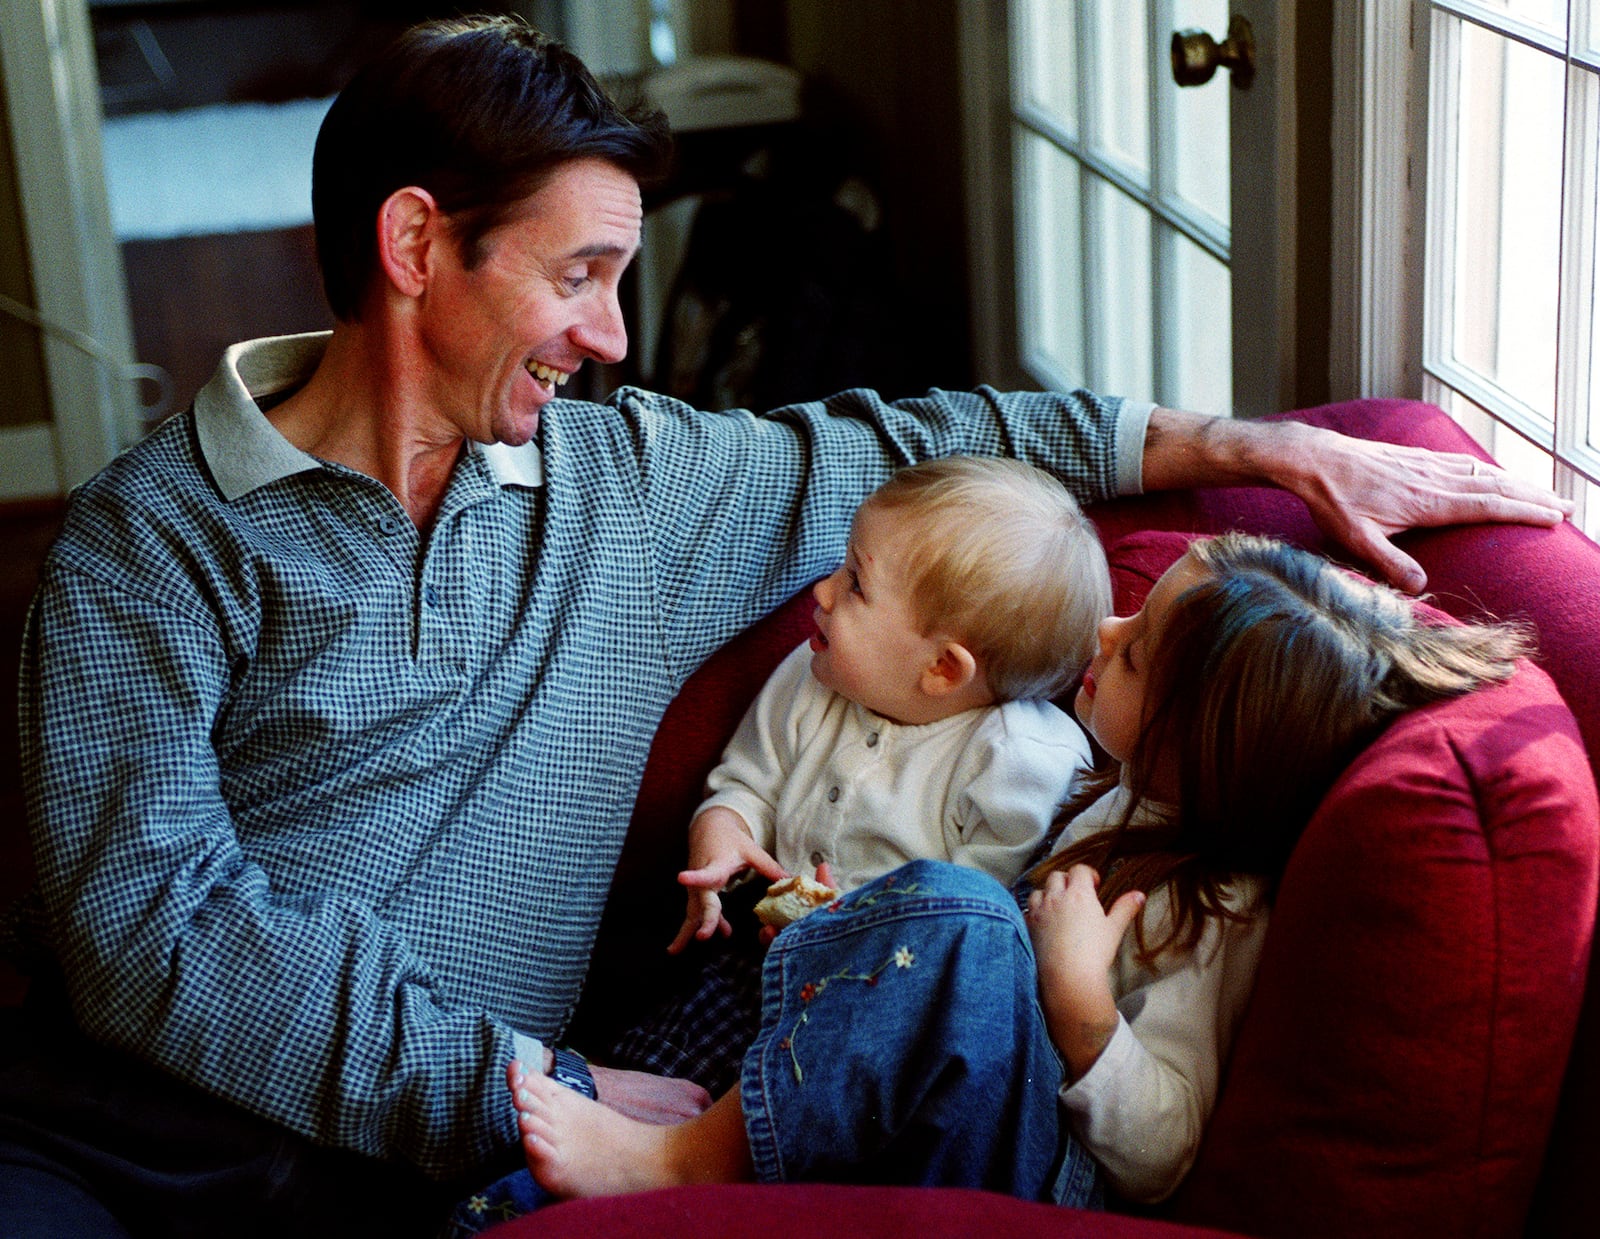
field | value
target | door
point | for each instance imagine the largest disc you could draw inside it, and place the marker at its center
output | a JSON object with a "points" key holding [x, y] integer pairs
{"points": [[1117, 243], [79, 308]]}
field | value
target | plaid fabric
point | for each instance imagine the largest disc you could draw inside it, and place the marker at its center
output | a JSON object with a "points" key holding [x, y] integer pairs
{"points": [[701, 1033], [324, 809]]}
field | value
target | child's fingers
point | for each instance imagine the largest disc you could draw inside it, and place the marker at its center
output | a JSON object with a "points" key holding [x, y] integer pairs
{"points": [[1123, 911], [686, 935], [709, 877], [762, 862]]}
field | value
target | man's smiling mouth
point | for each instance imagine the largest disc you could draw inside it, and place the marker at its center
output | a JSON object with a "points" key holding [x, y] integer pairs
{"points": [[548, 377]]}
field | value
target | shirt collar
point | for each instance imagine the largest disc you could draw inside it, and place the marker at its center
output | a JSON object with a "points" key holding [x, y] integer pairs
{"points": [[245, 452]]}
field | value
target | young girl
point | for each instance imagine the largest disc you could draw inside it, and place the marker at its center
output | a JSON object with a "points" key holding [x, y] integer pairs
{"points": [[909, 1036]]}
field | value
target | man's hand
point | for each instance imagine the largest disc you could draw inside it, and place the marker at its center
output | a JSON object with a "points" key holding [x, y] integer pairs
{"points": [[720, 845], [1360, 492], [648, 1098]]}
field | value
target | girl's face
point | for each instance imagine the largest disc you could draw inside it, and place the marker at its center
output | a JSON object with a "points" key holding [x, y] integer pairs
{"points": [[1111, 703]]}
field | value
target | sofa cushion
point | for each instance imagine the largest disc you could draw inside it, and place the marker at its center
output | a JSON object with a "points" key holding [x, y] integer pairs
{"points": [[804, 1211], [1399, 1065]]}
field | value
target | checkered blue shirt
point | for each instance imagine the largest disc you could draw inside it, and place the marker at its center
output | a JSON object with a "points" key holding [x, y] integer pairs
{"points": [[325, 809]]}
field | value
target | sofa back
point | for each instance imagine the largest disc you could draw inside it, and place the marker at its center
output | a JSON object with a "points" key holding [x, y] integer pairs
{"points": [[1403, 1054]]}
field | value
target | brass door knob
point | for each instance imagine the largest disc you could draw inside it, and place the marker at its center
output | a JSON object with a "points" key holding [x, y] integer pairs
{"points": [[1196, 55]]}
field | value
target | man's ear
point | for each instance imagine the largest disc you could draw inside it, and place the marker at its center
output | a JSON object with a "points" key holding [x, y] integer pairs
{"points": [[951, 670], [409, 225]]}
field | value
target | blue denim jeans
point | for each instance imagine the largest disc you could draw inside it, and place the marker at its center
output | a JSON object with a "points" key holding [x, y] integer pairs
{"points": [[902, 1042]]}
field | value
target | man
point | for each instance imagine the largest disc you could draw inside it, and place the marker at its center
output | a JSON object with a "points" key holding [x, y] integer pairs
{"points": [[337, 689]]}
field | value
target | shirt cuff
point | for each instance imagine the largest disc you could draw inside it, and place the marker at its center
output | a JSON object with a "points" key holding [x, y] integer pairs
{"points": [[529, 1051], [1133, 420], [1088, 1092]]}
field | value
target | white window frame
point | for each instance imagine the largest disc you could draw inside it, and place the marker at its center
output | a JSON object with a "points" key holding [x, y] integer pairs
{"points": [[1382, 343]]}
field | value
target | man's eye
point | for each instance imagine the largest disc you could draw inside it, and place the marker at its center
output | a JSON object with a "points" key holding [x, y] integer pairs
{"points": [[855, 581], [575, 283]]}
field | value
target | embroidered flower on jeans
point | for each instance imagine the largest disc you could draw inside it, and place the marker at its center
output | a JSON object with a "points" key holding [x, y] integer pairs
{"points": [[902, 957], [478, 1204]]}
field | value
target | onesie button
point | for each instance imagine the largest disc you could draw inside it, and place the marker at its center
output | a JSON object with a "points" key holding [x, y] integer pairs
{"points": [[817, 858], [872, 739], [833, 795]]}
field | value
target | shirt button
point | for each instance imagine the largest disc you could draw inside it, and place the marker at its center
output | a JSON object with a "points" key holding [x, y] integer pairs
{"points": [[389, 526], [430, 595], [872, 739], [817, 858], [833, 795]]}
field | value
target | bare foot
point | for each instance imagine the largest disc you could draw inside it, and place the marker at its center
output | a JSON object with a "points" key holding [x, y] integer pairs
{"points": [[578, 1147]]}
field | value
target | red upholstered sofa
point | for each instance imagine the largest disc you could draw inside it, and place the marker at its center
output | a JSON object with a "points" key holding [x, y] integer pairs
{"points": [[1404, 1061]]}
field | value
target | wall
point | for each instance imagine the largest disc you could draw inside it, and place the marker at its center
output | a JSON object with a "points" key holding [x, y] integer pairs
{"points": [[890, 68]]}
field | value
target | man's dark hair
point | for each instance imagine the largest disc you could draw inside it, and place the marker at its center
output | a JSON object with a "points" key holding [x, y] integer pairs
{"points": [[480, 112]]}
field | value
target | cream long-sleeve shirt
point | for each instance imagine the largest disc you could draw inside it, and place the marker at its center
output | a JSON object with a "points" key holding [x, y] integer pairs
{"points": [[818, 777], [1141, 1109]]}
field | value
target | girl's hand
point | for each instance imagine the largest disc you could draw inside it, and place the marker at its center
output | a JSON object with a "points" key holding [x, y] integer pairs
{"points": [[720, 845], [1076, 942]]}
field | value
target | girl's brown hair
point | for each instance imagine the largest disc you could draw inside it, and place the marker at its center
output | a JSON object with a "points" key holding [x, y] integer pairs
{"points": [[1269, 676]]}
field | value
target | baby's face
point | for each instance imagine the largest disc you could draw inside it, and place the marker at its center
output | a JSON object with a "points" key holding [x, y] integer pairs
{"points": [[869, 646]]}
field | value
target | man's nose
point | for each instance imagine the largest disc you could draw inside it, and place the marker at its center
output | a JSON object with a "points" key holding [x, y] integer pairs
{"points": [[603, 334]]}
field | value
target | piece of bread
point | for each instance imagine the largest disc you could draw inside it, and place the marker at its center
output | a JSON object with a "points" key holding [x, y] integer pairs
{"points": [[787, 901]]}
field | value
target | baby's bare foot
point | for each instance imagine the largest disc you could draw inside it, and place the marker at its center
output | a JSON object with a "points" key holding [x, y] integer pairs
{"points": [[578, 1147]]}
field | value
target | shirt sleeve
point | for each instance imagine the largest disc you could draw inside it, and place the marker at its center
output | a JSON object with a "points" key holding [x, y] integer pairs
{"points": [[305, 1008], [744, 510], [1141, 1109], [750, 777], [1024, 765]]}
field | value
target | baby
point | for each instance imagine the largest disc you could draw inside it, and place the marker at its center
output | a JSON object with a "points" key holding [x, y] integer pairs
{"points": [[914, 724]]}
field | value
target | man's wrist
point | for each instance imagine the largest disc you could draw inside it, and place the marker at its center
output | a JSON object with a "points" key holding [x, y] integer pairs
{"points": [[569, 1068]]}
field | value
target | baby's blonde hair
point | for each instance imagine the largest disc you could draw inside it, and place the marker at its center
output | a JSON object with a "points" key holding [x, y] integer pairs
{"points": [[1004, 561]]}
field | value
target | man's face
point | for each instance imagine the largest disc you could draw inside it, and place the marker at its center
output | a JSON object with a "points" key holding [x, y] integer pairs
{"points": [[500, 338]]}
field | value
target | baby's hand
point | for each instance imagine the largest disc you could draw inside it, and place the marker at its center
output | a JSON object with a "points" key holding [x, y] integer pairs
{"points": [[720, 846]]}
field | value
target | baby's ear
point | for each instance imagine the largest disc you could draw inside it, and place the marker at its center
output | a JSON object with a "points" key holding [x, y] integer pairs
{"points": [[951, 670]]}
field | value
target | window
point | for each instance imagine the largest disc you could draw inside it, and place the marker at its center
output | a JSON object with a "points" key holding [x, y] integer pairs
{"points": [[1511, 340], [1120, 188]]}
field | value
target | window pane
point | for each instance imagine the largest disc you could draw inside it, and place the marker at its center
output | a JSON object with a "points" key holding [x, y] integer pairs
{"points": [[1121, 84], [1508, 215], [1589, 429], [1548, 15], [1198, 314], [1200, 160], [1122, 294], [1049, 262], [1522, 458], [1046, 55]]}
